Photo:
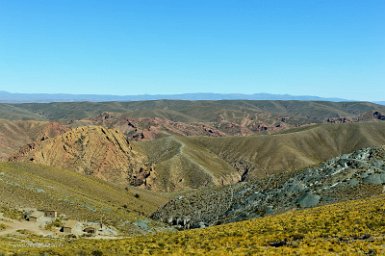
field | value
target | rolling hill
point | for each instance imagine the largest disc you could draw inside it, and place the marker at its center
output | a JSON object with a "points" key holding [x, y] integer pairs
{"points": [[147, 120], [176, 163], [190, 111], [12, 112], [192, 162]]}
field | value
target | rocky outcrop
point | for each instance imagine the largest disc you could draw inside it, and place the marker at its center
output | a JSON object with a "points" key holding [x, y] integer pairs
{"points": [[350, 176], [379, 116], [93, 150], [139, 129], [340, 120]]}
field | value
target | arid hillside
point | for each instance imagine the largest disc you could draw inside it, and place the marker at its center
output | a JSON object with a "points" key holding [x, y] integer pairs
{"points": [[153, 119], [359, 174], [92, 150], [80, 197], [143, 167], [178, 145], [294, 149], [347, 228], [23, 124], [208, 111], [176, 163], [192, 162]]}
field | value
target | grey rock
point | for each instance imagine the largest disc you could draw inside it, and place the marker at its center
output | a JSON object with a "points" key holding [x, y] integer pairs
{"points": [[310, 187]]}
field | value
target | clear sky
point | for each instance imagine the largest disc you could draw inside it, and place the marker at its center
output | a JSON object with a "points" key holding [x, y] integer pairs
{"points": [[309, 47]]}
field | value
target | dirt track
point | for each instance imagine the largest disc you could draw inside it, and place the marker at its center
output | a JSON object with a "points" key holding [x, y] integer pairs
{"points": [[12, 226]]}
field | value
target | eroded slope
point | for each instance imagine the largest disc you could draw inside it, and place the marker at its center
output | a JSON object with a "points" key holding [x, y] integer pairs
{"points": [[93, 150]]}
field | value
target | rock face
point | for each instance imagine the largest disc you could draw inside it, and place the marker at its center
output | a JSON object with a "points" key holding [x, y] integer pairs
{"points": [[350, 176], [93, 150], [379, 116], [340, 120], [138, 129]]}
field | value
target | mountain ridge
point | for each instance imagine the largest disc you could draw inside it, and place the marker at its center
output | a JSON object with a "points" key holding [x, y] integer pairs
{"points": [[7, 97], [191, 111]]}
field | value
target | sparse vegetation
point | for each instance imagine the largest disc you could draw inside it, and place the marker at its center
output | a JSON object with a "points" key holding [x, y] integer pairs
{"points": [[349, 228], [77, 196], [346, 177], [56, 223], [11, 213]]}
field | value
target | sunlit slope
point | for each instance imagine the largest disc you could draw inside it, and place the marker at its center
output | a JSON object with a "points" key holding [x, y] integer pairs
{"points": [[24, 185], [349, 228], [180, 164], [263, 155]]}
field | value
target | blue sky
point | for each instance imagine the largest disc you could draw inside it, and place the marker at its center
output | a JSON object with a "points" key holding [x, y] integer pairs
{"points": [[310, 47]]}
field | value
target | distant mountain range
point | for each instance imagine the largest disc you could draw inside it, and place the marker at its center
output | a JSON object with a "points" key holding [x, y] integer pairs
{"points": [[6, 97]]}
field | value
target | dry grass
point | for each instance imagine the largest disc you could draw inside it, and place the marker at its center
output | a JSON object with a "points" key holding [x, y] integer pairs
{"points": [[348, 228], [78, 196]]}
